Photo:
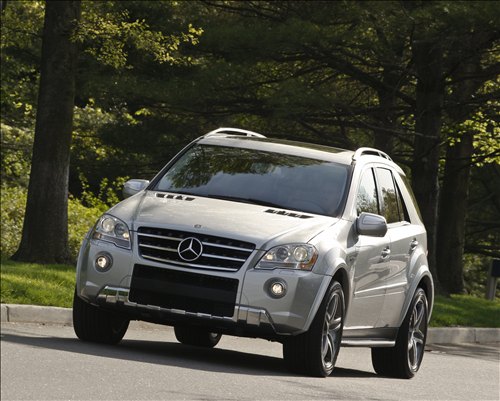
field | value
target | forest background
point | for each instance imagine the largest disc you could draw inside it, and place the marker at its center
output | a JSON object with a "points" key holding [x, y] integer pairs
{"points": [[419, 80]]}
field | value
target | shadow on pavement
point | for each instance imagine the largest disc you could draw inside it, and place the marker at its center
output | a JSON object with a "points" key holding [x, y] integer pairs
{"points": [[174, 354]]}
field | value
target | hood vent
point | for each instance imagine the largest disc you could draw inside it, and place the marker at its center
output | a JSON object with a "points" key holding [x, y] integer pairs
{"points": [[176, 197], [289, 214]]}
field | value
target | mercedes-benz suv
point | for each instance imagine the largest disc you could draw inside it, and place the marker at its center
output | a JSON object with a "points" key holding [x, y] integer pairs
{"points": [[311, 246]]}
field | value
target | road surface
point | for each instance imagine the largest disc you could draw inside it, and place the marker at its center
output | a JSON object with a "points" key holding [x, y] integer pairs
{"points": [[47, 362]]}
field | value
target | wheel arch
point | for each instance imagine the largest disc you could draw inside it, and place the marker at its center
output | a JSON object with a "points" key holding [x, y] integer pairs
{"points": [[343, 278], [427, 285], [339, 274], [422, 280]]}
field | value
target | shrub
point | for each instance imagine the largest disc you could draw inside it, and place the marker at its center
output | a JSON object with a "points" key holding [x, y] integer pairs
{"points": [[13, 203]]}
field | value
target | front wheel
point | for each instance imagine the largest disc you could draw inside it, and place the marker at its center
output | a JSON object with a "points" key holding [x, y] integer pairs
{"points": [[315, 352], [93, 324], [404, 359]]}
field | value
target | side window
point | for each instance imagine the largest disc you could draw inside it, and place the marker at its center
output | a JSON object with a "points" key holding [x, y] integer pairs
{"points": [[390, 202], [412, 205], [403, 210], [367, 199]]}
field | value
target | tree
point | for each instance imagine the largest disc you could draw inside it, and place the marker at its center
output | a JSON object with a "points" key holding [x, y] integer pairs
{"points": [[108, 35], [45, 229], [472, 70]]}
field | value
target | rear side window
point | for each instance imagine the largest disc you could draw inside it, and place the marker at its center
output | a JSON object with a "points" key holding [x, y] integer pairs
{"points": [[392, 208], [367, 199]]}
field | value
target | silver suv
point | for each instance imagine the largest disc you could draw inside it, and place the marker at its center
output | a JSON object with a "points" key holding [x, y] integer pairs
{"points": [[311, 246]]}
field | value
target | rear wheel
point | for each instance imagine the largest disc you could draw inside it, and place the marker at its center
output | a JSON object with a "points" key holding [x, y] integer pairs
{"points": [[198, 337], [404, 359], [93, 324], [315, 352]]}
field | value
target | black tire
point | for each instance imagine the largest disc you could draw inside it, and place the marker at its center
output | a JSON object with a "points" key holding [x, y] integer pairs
{"points": [[315, 352], [96, 325], [198, 337], [404, 359]]}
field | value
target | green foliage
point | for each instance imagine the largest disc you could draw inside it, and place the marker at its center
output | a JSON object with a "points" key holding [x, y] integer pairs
{"points": [[465, 310], [476, 269], [109, 33], [80, 218], [34, 284], [12, 206], [21, 27], [107, 194], [16, 154]]}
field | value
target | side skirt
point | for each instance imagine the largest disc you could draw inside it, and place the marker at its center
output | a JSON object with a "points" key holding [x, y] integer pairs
{"points": [[379, 337]]}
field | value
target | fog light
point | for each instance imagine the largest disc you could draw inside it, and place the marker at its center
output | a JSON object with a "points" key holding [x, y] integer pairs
{"points": [[103, 262], [276, 288]]}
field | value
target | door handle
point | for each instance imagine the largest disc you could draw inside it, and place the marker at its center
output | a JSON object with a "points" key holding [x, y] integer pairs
{"points": [[413, 245], [386, 252]]}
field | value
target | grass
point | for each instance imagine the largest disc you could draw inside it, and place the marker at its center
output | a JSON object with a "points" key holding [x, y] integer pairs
{"points": [[53, 285], [465, 310], [34, 284]]}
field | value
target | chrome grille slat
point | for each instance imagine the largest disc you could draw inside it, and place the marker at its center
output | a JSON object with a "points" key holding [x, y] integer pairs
{"points": [[161, 236], [207, 255], [159, 247], [224, 254], [227, 247]]}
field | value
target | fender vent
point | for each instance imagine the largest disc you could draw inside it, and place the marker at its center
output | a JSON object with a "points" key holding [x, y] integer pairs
{"points": [[289, 214], [176, 197]]}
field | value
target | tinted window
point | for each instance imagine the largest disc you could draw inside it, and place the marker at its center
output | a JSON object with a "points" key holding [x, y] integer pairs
{"points": [[390, 208], [403, 210], [414, 203], [367, 199], [247, 175]]}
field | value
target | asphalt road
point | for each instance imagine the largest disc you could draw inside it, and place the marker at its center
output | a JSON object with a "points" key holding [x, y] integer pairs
{"points": [[47, 362]]}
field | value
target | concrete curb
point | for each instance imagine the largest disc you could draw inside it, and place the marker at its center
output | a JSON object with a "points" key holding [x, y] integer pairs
{"points": [[35, 314], [52, 315]]}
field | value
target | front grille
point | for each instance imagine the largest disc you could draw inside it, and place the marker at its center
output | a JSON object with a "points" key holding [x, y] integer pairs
{"points": [[161, 245], [190, 292]]}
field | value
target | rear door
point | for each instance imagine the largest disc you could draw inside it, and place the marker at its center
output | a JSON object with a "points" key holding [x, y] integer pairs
{"points": [[370, 262], [404, 239]]}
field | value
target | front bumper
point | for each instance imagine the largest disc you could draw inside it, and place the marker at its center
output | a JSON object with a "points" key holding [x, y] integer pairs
{"points": [[254, 311]]}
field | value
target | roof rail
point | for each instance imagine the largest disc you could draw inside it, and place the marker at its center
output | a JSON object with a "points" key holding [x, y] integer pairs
{"points": [[370, 151], [233, 131]]}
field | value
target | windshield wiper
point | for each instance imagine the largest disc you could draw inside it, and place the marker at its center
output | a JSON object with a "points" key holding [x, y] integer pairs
{"points": [[245, 200]]}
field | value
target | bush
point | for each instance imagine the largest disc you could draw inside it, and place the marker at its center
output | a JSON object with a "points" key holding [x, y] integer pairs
{"points": [[13, 203], [80, 220]]}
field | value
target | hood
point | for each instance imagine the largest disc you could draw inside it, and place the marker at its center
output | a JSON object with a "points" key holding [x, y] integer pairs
{"points": [[262, 225]]}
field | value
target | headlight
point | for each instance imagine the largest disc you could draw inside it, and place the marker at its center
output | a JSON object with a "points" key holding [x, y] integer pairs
{"points": [[292, 256], [111, 229]]}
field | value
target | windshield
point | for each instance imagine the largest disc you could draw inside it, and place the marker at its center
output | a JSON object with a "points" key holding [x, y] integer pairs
{"points": [[255, 176]]}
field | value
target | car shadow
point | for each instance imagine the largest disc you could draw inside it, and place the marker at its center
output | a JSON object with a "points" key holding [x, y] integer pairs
{"points": [[174, 354]]}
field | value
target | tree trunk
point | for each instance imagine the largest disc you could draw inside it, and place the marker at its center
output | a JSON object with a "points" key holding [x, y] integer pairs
{"points": [[429, 97], [45, 230], [452, 213], [455, 187]]}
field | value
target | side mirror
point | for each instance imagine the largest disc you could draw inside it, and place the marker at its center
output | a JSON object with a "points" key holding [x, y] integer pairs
{"points": [[131, 187], [371, 224]]}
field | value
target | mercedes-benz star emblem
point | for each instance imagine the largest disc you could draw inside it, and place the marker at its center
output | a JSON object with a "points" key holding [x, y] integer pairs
{"points": [[190, 249]]}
